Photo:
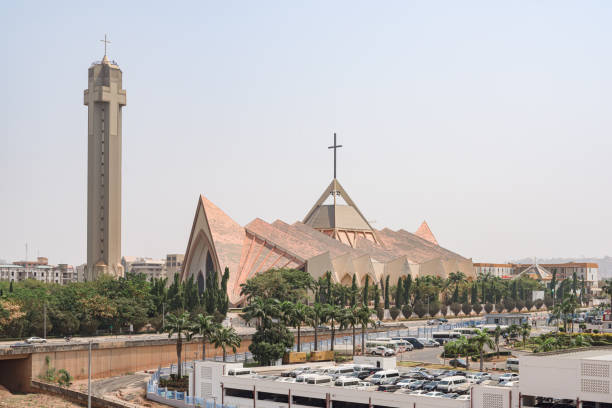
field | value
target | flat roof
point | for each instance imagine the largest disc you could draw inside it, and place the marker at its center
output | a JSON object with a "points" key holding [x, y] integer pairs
{"points": [[581, 354]]}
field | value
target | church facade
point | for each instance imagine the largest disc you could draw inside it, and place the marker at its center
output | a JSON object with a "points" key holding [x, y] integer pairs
{"points": [[333, 237]]}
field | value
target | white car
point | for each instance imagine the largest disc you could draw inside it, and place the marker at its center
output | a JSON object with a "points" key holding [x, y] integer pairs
{"points": [[404, 383], [464, 397], [419, 392], [36, 340], [383, 351], [508, 377], [483, 376], [434, 394], [508, 383]]}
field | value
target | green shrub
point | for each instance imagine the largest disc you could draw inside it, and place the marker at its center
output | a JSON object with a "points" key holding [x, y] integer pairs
{"points": [[394, 312]]}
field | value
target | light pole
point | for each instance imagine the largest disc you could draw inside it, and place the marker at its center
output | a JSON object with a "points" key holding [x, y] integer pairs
{"points": [[163, 315], [89, 378], [45, 319]]}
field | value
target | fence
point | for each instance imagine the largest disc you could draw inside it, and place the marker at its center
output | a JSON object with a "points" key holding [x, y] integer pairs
{"points": [[175, 398]]}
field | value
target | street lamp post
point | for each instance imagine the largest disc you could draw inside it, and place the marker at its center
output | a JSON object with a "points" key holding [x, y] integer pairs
{"points": [[89, 378]]}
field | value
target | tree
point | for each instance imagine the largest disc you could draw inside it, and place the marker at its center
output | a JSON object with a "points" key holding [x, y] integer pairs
{"points": [[434, 308], [205, 326], [407, 311], [399, 293], [538, 304], [376, 295], [496, 336], [331, 314], [488, 308], [394, 311], [407, 288], [180, 325], [349, 318], [222, 298], [455, 308], [548, 301], [509, 304], [354, 291], [466, 308], [474, 297], [317, 317], [553, 285], [299, 314], [364, 316], [456, 278], [175, 294], [366, 288], [481, 339], [544, 344], [387, 301], [282, 284], [225, 337], [11, 287], [477, 308], [525, 330], [606, 288], [262, 310], [419, 308], [463, 346]]}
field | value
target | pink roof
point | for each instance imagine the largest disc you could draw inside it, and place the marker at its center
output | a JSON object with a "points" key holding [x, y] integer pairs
{"points": [[425, 233]]}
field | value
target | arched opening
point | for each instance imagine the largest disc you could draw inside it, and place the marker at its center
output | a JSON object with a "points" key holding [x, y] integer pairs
{"points": [[347, 280], [201, 283]]}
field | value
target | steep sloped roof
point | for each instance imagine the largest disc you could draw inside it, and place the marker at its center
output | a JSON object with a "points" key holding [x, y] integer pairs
{"points": [[415, 248], [425, 233], [228, 237]]}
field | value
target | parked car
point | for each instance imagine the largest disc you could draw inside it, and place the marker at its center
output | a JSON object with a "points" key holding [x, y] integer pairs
{"points": [[442, 320], [296, 371], [417, 385], [434, 394], [458, 362], [508, 377], [414, 341], [405, 383], [431, 385], [36, 340], [429, 342], [20, 344], [452, 395], [464, 397], [483, 376], [388, 387], [431, 322], [383, 351]]}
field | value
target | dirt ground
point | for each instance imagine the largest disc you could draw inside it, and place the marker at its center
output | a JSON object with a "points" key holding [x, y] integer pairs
{"points": [[9, 400]]}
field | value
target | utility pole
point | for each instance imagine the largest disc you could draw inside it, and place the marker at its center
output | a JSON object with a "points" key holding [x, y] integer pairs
{"points": [[163, 316], [89, 378], [44, 319]]}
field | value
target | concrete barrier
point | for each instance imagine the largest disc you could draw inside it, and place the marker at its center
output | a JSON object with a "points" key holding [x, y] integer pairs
{"points": [[77, 396]]}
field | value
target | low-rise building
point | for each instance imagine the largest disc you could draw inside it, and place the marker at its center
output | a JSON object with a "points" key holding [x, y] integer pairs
{"points": [[174, 262], [506, 319], [39, 270], [151, 268]]}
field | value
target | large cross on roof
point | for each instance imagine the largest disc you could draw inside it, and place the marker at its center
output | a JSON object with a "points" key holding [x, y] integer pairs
{"points": [[106, 42], [335, 147]]}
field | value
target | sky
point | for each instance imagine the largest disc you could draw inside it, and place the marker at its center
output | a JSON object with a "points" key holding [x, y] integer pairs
{"points": [[490, 120]]}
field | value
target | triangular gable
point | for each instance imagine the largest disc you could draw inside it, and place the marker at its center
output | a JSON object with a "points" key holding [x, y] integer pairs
{"points": [[425, 233]]}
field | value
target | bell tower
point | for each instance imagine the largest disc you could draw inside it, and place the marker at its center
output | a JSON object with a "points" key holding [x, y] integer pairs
{"points": [[104, 98]]}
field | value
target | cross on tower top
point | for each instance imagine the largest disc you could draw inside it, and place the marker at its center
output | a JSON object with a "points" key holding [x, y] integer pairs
{"points": [[335, 147], [105, 41]]}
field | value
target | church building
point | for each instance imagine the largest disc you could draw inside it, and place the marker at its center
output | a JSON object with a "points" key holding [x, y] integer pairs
{"points": [[333, 237]]}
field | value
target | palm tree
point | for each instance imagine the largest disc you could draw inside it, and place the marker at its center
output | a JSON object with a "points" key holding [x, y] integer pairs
{"points": [[296, 314], [205, 326], [180, 325], [607, 289], [317, 317], [481, 339], [349, 319], [463, 346], [545, 344], [525, 330], [332, 313], [581, 341], [364, 317], [263, 310], [496, 336], [455, 278], [225, 337]]}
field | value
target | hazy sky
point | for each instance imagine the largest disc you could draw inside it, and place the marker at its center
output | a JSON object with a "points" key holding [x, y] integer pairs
{"points": [[490, 120]]}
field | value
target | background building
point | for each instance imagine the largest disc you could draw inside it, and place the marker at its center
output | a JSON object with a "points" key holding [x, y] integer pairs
{"points": [[39, 270], [174, 263], [151, 268]]}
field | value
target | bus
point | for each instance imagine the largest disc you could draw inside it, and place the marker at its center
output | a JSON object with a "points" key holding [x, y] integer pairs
{"points": [[372, 344], [466, 331], [443, 337]]}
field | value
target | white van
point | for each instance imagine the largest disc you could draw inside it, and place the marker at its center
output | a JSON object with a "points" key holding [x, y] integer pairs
{"points": [[339, 370], [380, 376], [346, 381], [512, 364], [301, 378], [319, 379], [239, 371], [453, 384]]}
